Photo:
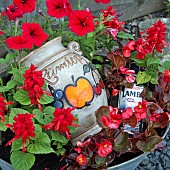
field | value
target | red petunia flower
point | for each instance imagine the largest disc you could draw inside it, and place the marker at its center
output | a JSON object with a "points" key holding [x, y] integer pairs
{"points": [[23, 127], [103, 1], [128, 48], [104, 148], [62, 119], [25, 5], [18, 42], [140, 110], [167, 76], [81, 159], [3, 107], [81, 22], [58, 8], [35, 33], [12, 12]]}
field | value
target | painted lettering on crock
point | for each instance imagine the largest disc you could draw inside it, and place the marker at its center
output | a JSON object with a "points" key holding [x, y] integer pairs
{"points": [[50, 73]]}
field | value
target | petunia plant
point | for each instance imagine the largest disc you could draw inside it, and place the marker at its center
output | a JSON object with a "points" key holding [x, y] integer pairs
{"points": [[25, 105]]}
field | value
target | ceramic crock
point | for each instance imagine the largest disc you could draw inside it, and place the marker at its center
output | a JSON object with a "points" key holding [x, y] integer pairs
{"points": [[72, 80]]}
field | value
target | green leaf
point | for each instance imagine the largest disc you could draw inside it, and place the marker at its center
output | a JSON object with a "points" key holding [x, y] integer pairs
{"points": [[17, 144], [9, 57], [4, 89], [98, 58], [3, 124], [164, 66], [40, 148], [148, 146], [11, 84], [22, 161], [2, 61], [60, 151], [142, 77], [124, 35], [46, 116], [38, 129], [122, 143], [153, 60], [154, 81], [58, 137], [45, 99], [22, 97], [41, 145], [14, 112]]}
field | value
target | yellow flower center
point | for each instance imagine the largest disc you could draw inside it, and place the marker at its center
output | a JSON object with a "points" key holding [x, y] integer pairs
{"points": [[105, 146], [81, 160], [140, 106], [168, 73]]}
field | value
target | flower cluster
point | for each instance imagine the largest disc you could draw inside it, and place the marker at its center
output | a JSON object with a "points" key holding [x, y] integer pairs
{"points": [[23, 127], [62, 120]]}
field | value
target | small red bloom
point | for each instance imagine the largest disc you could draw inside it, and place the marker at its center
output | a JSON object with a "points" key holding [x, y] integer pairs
{"points": [[3, 107], [81, 159], [128, 48], [1, 32], [62, 119], [12, 12], [115, 92], [127, 113], [140, 110], [109, 11], [23, 127], [58, 8], [105, 148], [114, 119], [35, 33], [25, 5], [167, 76], [18, 42], [130, 78], [81, 22], [103, 1], [141, 48]]}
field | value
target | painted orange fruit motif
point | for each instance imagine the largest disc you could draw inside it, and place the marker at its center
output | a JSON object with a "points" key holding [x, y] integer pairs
{"points": [[79, 94]]}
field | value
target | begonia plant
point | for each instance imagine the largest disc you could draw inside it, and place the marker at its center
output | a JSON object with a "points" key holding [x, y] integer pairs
{"points": [[25, 105]]}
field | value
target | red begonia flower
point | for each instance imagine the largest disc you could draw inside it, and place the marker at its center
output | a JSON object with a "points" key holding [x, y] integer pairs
{"points": [[140, 110], [104, 148], [81, 22], [167, 76], [58, 8], [103, 1], [127, 113], [12, 12], [25, 5], [3, 107], [83, 144], [81, 159], [23, 127], [18, 42], [35, 33], [62, 119], [130, 78], [128, 48]]}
